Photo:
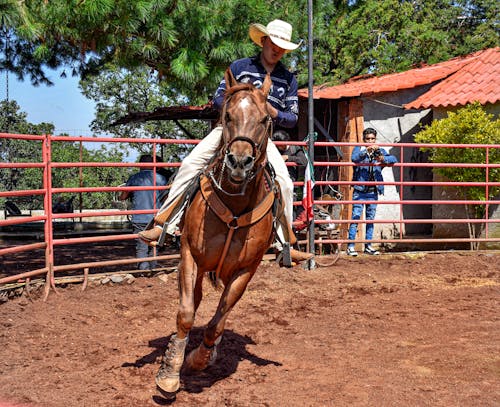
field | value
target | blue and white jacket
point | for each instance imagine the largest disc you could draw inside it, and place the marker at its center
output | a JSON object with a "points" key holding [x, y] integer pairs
{"points": [[283, 93], [370, 172]]}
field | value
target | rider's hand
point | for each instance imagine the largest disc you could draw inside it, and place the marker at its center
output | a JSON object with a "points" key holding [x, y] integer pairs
{"points": [[273, 112]]}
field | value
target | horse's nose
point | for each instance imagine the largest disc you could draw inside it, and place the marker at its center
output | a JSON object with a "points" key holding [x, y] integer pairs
{"points": [[239, 166], [243, 162]]}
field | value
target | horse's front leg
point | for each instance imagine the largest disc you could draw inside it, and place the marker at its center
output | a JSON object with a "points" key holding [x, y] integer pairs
{"points": [[205, 353], [168, 376]]}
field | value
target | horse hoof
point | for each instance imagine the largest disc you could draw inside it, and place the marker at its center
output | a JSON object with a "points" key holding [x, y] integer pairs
{"points": [[198, 358], [167, 384], [201, 357], [213, 355]]}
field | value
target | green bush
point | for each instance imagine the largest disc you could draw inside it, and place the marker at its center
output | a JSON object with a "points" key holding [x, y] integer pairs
{"points": [[469, 125]]}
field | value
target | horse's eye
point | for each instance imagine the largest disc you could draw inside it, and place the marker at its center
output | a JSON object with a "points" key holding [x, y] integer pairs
{"points": [[264, 120], [228, 118]]}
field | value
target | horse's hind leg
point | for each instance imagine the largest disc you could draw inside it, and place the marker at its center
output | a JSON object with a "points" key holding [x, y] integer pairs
{"points": [[168, 376], [205, 353]]}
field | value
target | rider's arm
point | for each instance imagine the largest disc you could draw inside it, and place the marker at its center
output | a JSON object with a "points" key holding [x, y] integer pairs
{"points": [[219, 95], [289, 114]]}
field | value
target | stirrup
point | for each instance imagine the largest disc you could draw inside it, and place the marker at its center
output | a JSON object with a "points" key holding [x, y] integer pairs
{"points": [[285, 258], [161, 240]]}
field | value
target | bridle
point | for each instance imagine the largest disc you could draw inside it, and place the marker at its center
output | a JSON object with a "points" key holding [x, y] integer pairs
{"points": [[256, 147]]}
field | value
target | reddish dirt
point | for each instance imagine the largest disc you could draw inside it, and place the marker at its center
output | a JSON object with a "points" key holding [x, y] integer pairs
{"points": [[394, 330]]}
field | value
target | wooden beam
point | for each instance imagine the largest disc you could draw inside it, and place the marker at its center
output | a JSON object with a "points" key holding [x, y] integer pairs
{"points": [[350, 130]]}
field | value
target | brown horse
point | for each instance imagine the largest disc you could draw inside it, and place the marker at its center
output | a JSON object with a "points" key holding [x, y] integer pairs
{"points": [[227, 228]]}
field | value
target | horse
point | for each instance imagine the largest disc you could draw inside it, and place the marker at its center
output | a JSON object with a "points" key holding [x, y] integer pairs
{"points": [[227, 227]]}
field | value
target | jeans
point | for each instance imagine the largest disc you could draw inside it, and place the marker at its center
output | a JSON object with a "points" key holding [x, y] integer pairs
{"points": [[142, 249], [357, 212]]}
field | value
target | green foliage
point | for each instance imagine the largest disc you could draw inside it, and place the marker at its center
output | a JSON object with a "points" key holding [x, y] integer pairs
{"points": [[173, 38], [469, 125], [30, 151], [118, 92], [188, 44], [383, 36], [14, 121]]}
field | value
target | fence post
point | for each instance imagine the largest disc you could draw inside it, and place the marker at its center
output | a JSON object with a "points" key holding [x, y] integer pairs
{"points": [[47, 206]]}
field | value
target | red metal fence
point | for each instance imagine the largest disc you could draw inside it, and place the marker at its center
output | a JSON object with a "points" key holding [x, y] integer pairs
{"points": [[404, 200]]}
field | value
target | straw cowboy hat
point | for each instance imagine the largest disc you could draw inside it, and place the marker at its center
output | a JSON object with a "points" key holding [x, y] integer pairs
{"points": [[280, 33]]}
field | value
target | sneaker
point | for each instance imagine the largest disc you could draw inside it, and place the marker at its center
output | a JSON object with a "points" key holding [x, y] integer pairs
{"points": [[371, 251], [351, 252]]}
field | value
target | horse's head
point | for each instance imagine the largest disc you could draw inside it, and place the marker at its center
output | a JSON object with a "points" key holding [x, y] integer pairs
{"points": [[247, 125]]}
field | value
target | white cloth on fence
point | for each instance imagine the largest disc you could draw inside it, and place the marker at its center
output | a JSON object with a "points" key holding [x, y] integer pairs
{"points": [[199, 158]]}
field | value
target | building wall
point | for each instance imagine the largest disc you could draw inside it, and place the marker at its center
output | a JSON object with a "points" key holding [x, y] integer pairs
{"points": [[394, 124], [442, 112]]}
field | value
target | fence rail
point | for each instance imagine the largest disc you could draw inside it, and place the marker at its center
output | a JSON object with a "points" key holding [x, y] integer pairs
{"points": [[409, 201]]}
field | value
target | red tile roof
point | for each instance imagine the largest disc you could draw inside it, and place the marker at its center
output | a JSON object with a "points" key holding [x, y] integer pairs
{"points": [[465, 79], [479, 80]]}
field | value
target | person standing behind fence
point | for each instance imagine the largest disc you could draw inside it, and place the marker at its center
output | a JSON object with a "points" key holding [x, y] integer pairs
{"points": [[142, 200], [290, 153], [377, 158]]}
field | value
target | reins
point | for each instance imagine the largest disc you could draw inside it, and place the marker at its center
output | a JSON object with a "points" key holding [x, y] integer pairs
{"points": [[208, 181], [256, 148]]}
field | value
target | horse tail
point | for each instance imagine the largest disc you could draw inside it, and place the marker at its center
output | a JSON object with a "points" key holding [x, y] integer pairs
{"points": [[216, 282]]}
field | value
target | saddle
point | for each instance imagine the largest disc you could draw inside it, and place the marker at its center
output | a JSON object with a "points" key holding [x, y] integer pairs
{"points": [[184, 200]]}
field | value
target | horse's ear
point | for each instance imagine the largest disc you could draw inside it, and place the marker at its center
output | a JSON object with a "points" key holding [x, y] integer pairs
{"points": [[266, 86], [229, 78]]}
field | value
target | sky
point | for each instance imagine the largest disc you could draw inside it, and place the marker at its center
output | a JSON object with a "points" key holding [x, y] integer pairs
{"points": [[61, 104]]}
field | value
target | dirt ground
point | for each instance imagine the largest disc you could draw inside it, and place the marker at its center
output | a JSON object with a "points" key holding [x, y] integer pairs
{"points": [[418, 329]]}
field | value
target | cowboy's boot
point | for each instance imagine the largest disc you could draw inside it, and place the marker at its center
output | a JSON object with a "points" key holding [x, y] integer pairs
{"points": [[289, 257], [151, 236], [299, 256], [155, 234]]}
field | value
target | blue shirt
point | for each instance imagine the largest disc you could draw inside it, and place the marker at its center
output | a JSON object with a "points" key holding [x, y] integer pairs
{"points": [[145, 199], [369, 173], [283, 93]]}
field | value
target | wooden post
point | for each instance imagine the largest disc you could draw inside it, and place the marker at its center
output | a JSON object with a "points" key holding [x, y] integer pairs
{"points": [[350, 130]]}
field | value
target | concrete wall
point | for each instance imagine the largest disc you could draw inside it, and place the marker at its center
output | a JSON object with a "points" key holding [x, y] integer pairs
{"points": [[394, 124], [441, 112]]}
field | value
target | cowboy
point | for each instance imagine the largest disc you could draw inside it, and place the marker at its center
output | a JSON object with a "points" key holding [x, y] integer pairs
{"points": [[282, 103]]}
